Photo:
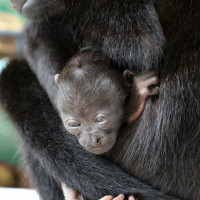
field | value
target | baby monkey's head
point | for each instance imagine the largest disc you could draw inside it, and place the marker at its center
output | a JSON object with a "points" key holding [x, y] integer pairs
{"points": [[90, 99]]}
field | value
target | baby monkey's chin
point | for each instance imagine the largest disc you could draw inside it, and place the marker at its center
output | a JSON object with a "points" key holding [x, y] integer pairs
{"points": [[100, 150], [105, 146]]}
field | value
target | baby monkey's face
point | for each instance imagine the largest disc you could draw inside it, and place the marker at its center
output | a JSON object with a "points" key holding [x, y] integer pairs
{"points": [[90, 100], [96, 130], [92, 113]]}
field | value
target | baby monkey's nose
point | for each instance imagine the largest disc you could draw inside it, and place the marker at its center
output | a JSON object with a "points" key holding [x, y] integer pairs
{"points": [[91, 142], [96, 141]]}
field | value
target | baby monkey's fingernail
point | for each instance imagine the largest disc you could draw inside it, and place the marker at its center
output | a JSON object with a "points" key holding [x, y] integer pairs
{"points": [[131, 198]]}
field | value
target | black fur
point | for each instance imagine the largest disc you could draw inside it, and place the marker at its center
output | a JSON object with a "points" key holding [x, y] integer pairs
{"points": [[162, 149], [48, 47], [52, 154], [103, 25]]}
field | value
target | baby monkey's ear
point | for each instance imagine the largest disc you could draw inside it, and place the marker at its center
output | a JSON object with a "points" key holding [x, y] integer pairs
{"points": [[128, 77], [56, 77]]}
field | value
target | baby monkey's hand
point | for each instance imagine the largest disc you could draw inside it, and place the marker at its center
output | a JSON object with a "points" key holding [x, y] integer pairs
{"points": [[144, 85], [70, 194], [119, 197]]}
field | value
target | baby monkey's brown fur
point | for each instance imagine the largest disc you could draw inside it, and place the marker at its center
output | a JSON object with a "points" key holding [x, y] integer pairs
{"points": [[91, 99]]}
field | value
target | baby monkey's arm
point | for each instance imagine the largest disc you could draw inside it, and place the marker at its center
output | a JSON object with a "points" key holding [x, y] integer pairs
{"points": [[70, 194], [144, 85]]}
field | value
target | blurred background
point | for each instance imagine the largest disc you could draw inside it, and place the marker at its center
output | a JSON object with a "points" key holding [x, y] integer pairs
{"points": [[11, 26]]}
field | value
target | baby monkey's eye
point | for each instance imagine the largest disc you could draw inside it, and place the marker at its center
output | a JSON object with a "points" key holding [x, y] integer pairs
{"points": [[73, 124], [100, 119]]}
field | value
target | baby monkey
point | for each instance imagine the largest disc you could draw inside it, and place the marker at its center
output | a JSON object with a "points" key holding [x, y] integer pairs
{"points": [[91, 99]]}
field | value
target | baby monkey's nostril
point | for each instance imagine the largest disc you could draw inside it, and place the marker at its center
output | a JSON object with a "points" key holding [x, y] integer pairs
{"points": [[98, 141]]}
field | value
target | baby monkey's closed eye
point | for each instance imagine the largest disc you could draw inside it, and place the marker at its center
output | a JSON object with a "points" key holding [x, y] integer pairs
{"points": [[100, 119], [73, 123]]}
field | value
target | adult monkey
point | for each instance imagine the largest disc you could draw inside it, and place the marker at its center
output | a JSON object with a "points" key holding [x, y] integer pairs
{"points": [[48, 149], [173, 141], [45, 140]]}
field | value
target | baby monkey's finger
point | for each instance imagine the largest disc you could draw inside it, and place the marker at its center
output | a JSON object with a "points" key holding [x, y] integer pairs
{"points": [[154, 80], [131, 198], [119, 197], [108, 197], [154, 91]]}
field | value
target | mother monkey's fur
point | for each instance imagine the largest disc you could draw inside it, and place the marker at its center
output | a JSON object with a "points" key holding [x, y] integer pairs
{"points": [[162, 149]]}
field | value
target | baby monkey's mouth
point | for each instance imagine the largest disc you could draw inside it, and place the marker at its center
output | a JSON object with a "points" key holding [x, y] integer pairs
{"points": [[98, 150], [101, 149]]}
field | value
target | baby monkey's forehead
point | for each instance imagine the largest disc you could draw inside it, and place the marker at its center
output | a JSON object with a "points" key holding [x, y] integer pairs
{"points": [[86, 93], [87, 86], [92, 103]]}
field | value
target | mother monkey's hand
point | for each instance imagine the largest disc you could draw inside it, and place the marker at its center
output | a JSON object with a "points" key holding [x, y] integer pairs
{"points": [[120, 197]]}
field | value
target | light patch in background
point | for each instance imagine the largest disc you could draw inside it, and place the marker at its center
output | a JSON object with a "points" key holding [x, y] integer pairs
{"points": [[3, 63], [18, 194]]}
